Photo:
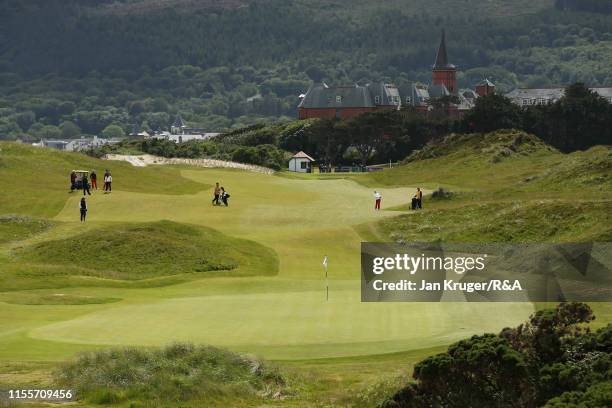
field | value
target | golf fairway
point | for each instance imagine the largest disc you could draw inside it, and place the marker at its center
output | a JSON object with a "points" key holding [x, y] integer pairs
{"points": [[285, 316]]}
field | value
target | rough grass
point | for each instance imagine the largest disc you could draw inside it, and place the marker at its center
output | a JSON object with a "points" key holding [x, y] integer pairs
{"points": [[514, 221], [507, 186], [181, 374], [54, 299], [148, 250], [505, 163], [39, 179], [16, 227]]}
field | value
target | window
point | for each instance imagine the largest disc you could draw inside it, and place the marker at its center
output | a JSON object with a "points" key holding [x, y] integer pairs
{"points": [[408, 99], [338, 98], [377, 99], [303, 165], [525, 102]]}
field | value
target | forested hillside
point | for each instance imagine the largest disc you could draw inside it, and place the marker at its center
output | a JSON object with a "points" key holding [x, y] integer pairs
{"points": [[229, 63]]}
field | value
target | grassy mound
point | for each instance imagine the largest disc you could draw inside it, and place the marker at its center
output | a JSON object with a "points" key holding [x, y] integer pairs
{"points": [[15, 227], [29, 173], [141, 251], [590, 169], [181, 373], [492, 147], [505, 162], [520, 221]]}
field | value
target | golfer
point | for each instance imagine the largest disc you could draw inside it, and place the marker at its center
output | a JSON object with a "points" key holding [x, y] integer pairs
{"points": [[83, 209], [215, 200], [377, 198], [419, 197]]}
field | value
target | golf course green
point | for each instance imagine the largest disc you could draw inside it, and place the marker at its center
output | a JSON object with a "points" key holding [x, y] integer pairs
{"points": [[285, 316], [262, 288]]}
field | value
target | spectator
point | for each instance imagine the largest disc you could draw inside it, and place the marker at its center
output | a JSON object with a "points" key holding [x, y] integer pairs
{"points": [[94, 180]]}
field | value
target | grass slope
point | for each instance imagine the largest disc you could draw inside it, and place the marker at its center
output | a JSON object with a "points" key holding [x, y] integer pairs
{"points": [[13, 228], [508, 186], [505, 162], [515, 221], [39, 179], [141, 251]]}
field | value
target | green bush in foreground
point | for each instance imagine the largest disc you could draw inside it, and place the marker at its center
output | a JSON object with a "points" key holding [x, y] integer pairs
{"points": [[176, 373], [553, 357]]}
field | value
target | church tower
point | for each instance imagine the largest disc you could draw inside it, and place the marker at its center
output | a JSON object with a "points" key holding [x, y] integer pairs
{"points": [[443, 72]]}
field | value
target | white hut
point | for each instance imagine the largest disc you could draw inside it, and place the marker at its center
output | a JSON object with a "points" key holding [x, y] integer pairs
{"points": [[300, 162]]}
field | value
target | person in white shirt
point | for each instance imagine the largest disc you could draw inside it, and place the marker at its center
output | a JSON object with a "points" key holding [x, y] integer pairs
{"points": [[108, 179], [378, 198]]}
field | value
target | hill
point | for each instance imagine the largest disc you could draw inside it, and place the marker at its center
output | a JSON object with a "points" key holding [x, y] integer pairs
{"points": [[39, 179], [142, 251], [513, 162], [505, 186], [232, 63]]}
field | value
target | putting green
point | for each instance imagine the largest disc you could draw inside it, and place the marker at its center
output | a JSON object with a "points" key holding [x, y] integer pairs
{"points": [[282, 317]]}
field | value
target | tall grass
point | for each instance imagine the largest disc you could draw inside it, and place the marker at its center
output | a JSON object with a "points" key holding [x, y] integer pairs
{"points": [[177, 373]]}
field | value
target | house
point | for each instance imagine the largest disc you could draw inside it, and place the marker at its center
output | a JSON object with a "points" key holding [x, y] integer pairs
{"points": [[76, 145], [301, 162], [180, 132], [346, 102], [545, 96], [182, 137]]}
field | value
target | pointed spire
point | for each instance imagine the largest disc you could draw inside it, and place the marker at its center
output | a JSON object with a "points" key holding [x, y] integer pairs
{"points": [[178, 121], [441, 56]]}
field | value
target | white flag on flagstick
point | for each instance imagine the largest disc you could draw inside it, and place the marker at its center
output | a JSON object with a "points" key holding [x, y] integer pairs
{"points": [[325, 261]]}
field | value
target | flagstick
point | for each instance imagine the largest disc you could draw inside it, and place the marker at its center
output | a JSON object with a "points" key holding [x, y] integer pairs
{"points": [[326, 281]]}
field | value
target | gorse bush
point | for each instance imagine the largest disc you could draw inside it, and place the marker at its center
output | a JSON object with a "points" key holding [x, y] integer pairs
{"points": [[553, 356], [178, 372]]}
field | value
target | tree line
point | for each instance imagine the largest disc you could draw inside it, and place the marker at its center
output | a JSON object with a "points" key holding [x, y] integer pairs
{"points": [[577, 121], [229, 68]]}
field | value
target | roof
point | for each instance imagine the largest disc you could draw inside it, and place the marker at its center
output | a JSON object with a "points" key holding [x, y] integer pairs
{"points": [[438, 91], [178, 121], [320, 95], [485, 82], [442, 57], [302, 155]]}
